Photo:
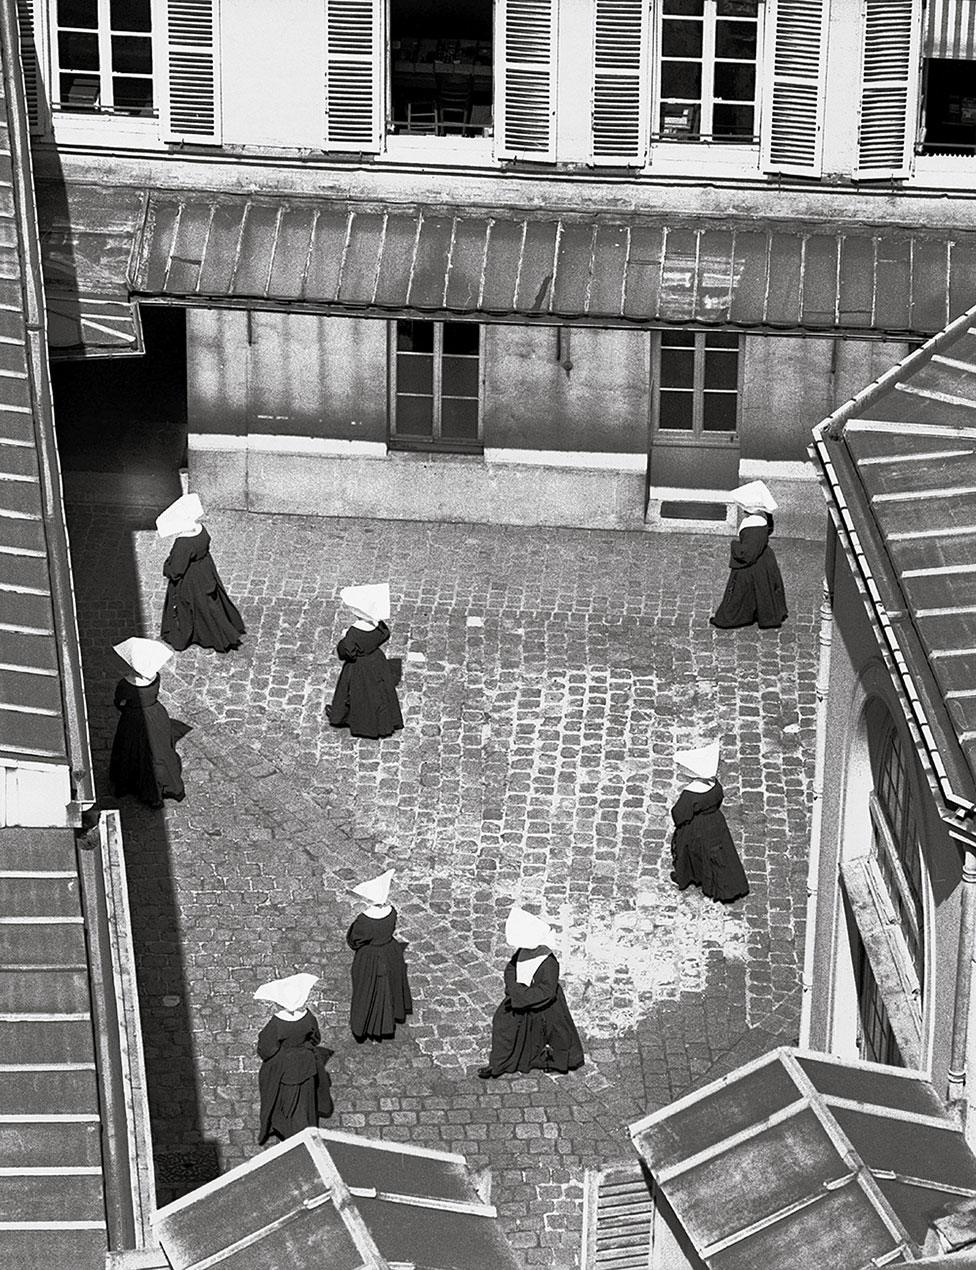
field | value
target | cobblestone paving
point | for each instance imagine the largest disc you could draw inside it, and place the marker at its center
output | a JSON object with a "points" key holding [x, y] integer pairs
{"points": [[549, 676]]}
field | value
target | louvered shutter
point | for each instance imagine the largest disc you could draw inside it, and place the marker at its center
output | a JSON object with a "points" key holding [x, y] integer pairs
{"points": [[620, 110], [525, 79], [354, 62], [619, 1219], [890, 67], [31, 29], [795, 57], [190, 97]]}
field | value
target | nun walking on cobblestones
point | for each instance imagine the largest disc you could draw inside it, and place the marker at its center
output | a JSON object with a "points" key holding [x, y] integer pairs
{"points": [[532, 1029], [144, 761], [380, 990], [197, 609], [365, 699], [702, 850], [293, 1083], [754, 592]]}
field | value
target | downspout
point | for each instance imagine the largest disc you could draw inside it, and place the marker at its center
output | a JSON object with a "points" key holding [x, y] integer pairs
{"points": [[956, 1077], [816, 817]]}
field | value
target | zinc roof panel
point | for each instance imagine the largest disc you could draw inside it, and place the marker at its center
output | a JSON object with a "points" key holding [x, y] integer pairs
{"points": [[574, 265], [930, 307], [24, 570], [467, 269], [678, 300], [957, 673], [157, 247], [963, 713], [962, 274], [501, 264], [189, 242], [942, 591], [782, 301], [291, 251], [256, 250], [393, 275], [609, 269], [22, 733], [16, 426], [19, 689], [716, 275], [873, 1085], [537, 267], [749, 276], [893, 284], [643, 281], [325, 256], [884, 444], [17, 649], [921, 475], [855, 299], [931, 553], [20, 496], [906, 407], [819, 287], [22, 533], [938, 1155], [220, 254], [18, 461], [32, 611], [428, 282]]}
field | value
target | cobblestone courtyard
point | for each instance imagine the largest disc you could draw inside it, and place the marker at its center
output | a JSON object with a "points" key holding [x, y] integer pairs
{"points": [[549, 677]]}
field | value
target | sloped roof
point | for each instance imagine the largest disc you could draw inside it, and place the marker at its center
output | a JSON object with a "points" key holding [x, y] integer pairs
{"points": [[800, 1160], [335, 1200], [898, 464]]}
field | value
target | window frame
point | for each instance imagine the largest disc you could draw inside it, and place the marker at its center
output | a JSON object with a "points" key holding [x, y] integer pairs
{"points": [[708, 100], [436, 443], [104, 34], [697, 435], [897, 851], [873, 1022]]}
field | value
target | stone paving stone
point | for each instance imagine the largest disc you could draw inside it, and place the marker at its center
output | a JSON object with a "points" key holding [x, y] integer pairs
{"points": [[536, 764]]}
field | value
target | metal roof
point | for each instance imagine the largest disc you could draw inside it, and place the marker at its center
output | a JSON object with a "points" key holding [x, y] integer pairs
{"points": [[802, 1160], [899, 467]]}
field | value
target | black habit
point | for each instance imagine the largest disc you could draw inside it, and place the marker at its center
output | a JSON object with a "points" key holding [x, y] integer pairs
{"points": [[533, 1028], [144, 760], [365, 698], [702, 850], [293, 1083], [380, 991], [197, 610], [754, 592]]}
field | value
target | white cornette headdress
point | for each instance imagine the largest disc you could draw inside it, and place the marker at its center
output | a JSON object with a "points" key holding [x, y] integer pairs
{"points": [[145, 656], [371, 602], [184, 514], [290, 994], [754, 497], [523, 930], [702, 763], [377, 889]]}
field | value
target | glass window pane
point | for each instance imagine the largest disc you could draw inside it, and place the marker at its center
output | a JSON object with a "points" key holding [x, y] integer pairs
{"points": [[735, 81], [677, 368], [459, 419], [686, 8], [415, 337], [131, 55], [131, 15], [734, 122], [78, 13], [134, 96], [735, 39], [737, 8], [78, 52], [678, 338], [721, 369], [677, 410], [722, 339], [461, 337], [459, 376], [718, 411], [414, 416], [415, 373], [681, 39], [681, 79], [79, 92]]}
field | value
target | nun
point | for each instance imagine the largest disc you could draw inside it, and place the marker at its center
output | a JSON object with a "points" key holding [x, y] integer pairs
{"points": [[532, 1028], [365, 699], [293, 1083], [197, 609], [754, 592], [380, 991], [144, 760], [702, 851]]}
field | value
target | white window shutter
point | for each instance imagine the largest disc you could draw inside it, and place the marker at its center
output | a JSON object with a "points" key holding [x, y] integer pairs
{"points": [[189, 91], [620, 108], [890, 65], [354, 75], [30, 22], [525, 80], [795, 59]]}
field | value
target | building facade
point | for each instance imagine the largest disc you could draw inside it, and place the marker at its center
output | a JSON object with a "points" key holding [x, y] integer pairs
{"points": [[552, 260]]}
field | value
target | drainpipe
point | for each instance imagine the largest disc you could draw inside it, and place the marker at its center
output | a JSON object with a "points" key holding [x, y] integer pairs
{"points": [[816, 817], [956, 1079]]}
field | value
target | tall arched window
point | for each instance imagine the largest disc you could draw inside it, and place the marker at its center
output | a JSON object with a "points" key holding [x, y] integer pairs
{"points": [[897, 849]]}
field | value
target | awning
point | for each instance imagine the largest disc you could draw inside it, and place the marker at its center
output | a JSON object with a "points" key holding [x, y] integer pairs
{"points": [[950, 29], [198, 247]]}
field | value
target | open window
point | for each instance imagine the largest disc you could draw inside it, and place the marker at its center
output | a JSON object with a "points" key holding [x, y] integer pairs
{"points": [[440, 69], [103, 56], [949, 106]]}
